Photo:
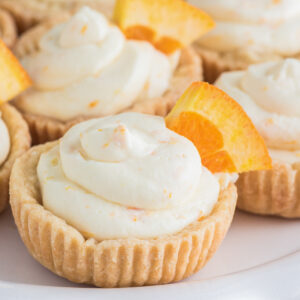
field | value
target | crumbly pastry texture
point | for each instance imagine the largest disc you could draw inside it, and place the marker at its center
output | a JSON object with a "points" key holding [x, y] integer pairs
{"points": [[214, 63], [28, 13], [272, 192], [20, 142], [8, 29], [45, 129], [111, 263]]}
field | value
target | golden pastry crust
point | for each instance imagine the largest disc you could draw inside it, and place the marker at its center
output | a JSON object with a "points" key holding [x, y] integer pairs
{"points": [[28, 13], [111, 263], [273, 192], [214, 63], [8, 28], [44, 129], [20, 142]]}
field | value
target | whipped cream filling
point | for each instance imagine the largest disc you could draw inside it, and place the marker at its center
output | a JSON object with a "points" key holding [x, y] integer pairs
{"points": [[87, 67], [270, 94], [5, 141], [264, 26], [126, 176]]}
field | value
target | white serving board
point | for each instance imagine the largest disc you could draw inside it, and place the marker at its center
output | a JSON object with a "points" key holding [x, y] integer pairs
{"points": [[259, 259]]}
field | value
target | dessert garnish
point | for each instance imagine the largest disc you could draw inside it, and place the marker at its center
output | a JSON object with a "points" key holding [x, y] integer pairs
{"points": [[224, 135], [13, 78], [168, 24]]}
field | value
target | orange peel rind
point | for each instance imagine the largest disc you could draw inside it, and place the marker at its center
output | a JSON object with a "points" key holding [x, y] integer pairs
{"points": [[13, 78], [168, 24], [222, 132]]}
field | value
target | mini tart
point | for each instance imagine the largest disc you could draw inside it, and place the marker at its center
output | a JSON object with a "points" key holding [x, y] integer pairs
{"points": [[111, 263], [8, 29], [44, 129], [28, 13], [19, 143], [272, 192]]}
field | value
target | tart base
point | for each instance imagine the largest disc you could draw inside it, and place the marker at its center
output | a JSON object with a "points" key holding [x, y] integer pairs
{"points": [[20, 142], [111, 263], [214, 64], [274, 192], [8, 28], [44, 129]]}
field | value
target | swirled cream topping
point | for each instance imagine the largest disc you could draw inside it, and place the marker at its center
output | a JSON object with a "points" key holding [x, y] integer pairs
{"points": [[86, 67], [255, 26], [126, 176], [270, 94], [4, 141]]}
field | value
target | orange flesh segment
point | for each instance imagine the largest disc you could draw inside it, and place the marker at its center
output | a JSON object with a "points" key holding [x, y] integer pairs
{"points": [[224, 135], [13, 78], [168, 24], [219, 162], [140, 33]]}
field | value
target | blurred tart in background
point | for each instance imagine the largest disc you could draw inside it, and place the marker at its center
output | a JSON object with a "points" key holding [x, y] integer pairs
{"points": [[270, 93], [87, 67], [248, 32]]}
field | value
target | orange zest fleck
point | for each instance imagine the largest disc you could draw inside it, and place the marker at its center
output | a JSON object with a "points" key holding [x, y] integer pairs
{"points": [[93, 103], [120, 129], [225, 137], [265, 88], [83, 29], [54, 161], [270, 121], [133, 208]]}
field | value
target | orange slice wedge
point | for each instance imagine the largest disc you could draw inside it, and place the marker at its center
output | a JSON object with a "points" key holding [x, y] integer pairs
{"points": [[13, 78], [224, 135], [168, 24]]}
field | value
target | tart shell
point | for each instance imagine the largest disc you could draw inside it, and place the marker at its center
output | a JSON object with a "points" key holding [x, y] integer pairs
{"points": [[8, 28], [273, 192], [28, 13], [20, 142], [111, 263]]}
